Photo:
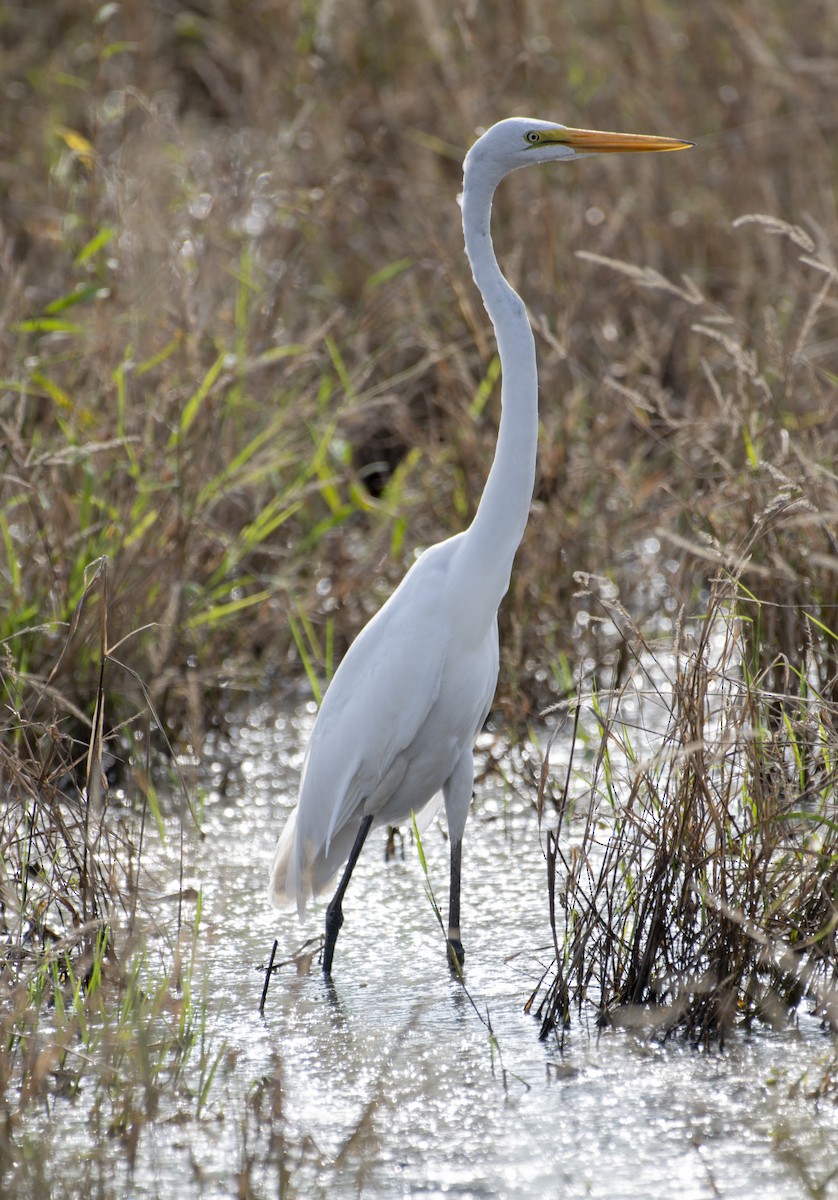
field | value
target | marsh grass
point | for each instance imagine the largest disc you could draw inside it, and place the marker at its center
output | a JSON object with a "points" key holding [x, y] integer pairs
{"points": [[245, 377], [102, 1010], [695, 892]]}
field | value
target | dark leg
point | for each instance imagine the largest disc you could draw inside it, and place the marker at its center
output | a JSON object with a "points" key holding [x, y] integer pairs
{"points": [[456, 954], [334, 913]]}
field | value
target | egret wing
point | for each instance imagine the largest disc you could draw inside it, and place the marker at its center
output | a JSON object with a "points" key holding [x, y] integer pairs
{"points": [[374, 708]]}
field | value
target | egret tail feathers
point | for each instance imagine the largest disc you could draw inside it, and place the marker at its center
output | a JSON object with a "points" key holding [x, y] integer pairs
{"points": [[285, 881], [299, 873]]}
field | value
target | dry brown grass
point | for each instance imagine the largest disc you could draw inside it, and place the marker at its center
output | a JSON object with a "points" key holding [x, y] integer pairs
{"points": [[695, 890]]}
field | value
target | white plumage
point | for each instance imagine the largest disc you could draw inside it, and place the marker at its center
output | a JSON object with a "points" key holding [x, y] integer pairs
{"points": [[392, 727], [398, 722]]}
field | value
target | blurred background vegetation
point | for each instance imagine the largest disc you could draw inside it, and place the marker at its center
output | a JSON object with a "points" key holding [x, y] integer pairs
{"points": [[243, 358]]}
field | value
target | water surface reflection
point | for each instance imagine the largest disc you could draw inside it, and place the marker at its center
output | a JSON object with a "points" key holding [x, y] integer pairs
{"points": [[392, 1083]]}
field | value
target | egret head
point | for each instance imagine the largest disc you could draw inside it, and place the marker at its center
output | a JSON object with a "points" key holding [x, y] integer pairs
{"points": [[519, 141]]}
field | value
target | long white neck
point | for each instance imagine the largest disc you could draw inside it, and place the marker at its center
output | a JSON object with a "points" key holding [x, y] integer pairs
{"points": [[494, 535]]}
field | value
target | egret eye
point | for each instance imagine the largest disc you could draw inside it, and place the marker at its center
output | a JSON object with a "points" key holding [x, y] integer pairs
{"points": [[532, 137]]}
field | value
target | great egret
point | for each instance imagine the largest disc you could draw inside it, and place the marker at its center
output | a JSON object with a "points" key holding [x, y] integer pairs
{"points": [[398, 722]]}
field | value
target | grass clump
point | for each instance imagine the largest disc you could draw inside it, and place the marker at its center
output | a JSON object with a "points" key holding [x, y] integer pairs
{"points": [[103, 1025], [699, 893]]}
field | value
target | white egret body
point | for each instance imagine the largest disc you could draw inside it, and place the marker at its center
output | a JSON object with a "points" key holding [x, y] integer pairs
{"points": [[398, 722]]}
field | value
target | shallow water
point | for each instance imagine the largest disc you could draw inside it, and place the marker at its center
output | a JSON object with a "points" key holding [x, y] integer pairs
{"points": [[390, 1083], [453, 1111]]}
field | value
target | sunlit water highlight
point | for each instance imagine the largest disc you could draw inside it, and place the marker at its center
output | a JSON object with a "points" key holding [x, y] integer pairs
{"points": [[453, 1114], [391, 1082]]}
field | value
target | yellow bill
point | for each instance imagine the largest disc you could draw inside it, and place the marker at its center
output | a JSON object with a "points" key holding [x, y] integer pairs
{"points": [[592, 141]]}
